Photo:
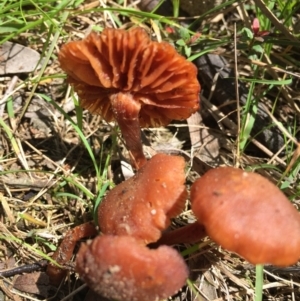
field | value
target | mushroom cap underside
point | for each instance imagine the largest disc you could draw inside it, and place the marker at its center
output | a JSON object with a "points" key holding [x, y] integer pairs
{"points": [[120, 61]]}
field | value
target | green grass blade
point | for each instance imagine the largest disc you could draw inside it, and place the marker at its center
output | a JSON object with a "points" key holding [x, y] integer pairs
{"points": [[259, 272]]}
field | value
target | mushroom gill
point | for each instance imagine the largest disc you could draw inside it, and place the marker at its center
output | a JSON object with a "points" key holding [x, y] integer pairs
{"points": [[124, 76]]}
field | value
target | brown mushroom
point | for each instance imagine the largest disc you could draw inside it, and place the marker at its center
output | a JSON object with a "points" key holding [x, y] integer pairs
{"points": [[65, 251], [124, 76], [143, 205], [247, 214], [120, 268], [191, 233]]}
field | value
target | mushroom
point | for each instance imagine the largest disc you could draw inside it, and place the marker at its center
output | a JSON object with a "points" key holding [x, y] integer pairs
{"points": [[191, 233], [140, 207], [120, 268], [247, 214], [65, 251], [143, 205], [124, 76]]}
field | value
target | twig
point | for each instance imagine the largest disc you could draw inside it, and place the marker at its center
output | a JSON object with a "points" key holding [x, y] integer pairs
{"points": [[73, 293], [27, 268], [237, 94]]}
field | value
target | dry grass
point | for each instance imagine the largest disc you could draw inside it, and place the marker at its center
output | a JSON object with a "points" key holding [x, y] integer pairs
{"points": [[57, 161]]}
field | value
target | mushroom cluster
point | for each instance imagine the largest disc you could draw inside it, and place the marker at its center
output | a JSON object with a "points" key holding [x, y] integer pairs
{"points": [[125, 76], [132, 215], [242, 211], [118, 264]]}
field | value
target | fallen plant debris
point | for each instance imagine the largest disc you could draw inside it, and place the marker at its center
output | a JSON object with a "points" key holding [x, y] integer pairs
{"points": [[58, 161], [28, 268], [16, 59]]}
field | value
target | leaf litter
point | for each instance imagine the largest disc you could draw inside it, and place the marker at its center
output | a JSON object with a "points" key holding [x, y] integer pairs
{"points": [[44, 170]]}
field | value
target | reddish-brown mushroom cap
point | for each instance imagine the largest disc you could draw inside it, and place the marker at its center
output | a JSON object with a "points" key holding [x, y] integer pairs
{"points": [[119, 69], [143, 205], [247, 214], [119, 268]]}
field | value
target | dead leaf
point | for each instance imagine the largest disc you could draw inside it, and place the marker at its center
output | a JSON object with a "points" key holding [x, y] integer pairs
{"points": [[206, 146], [16, 58], [36, 283]]}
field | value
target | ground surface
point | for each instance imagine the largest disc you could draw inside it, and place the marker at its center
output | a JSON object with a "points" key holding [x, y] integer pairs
{"points": [[57, 161]]}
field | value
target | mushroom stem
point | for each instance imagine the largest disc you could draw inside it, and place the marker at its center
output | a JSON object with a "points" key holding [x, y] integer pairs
{"points": [[191, 233], [126, 112], [65, 251]]}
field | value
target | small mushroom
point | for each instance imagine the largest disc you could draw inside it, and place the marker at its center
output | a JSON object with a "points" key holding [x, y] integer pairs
{"points": [[190, 233], [247, 214], [143, 205], [124, 76], [65, 251], [120, 268]]}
